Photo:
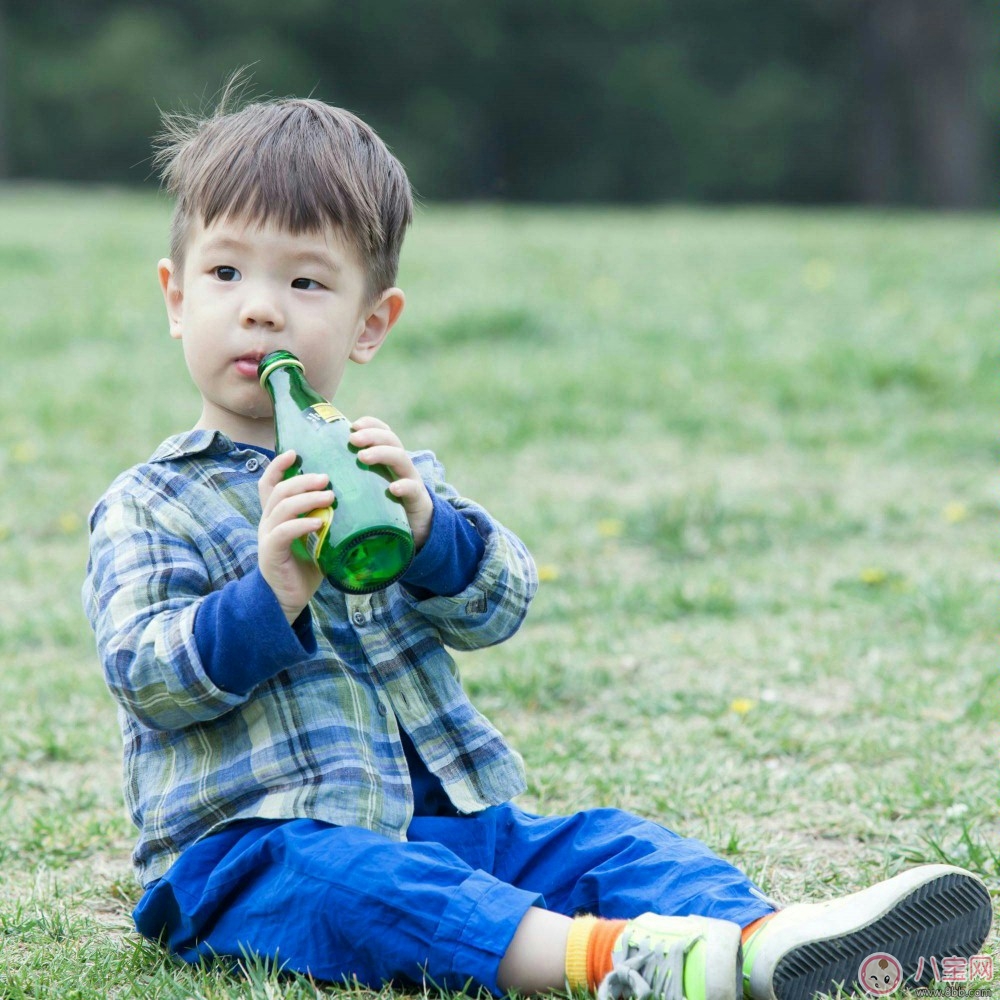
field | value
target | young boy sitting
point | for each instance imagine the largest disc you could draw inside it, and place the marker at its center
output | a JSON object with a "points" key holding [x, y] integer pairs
{"points": [[309, 780]]}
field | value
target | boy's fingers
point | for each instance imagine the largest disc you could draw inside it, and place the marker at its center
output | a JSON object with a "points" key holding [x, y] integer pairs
{"points": [[297, 527], [274, 472], [290, 508], [279, 465], [407, 491], [363, 422], [367, 436], [388, 454], [273, 490], [307, 482]]}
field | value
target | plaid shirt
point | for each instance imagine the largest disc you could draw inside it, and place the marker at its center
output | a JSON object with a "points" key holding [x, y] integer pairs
{"points": [[320, 738]]}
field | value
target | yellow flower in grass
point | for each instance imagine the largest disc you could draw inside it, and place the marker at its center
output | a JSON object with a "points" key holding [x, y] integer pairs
{"points": [[873, 576], [741, 706], [955, 512], [68, 522], [547, 573], [610, 527], [24, 452]]}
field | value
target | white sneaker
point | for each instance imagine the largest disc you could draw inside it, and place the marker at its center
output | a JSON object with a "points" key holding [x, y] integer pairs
{"points": [[934, 911]]}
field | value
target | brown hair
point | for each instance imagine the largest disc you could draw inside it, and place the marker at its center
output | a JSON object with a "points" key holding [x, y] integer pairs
{"points": [[296, 163]]}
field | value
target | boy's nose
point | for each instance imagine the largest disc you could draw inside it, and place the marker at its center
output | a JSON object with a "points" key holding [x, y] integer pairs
{"points": [[262, 311]]}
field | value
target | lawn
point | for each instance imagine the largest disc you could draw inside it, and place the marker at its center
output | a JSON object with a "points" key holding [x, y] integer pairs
{"points": [[752, 451]]}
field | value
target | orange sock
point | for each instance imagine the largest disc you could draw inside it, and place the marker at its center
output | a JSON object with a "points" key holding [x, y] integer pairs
{"points": [[750, 928], [588, 951], [602, 940]]}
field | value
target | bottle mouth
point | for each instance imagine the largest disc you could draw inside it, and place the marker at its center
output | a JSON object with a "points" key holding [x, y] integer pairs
{"points": [[277, 359]]}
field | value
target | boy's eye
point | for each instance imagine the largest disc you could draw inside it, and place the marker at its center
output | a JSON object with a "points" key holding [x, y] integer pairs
{"points": [[305, 284], [226, 273]]}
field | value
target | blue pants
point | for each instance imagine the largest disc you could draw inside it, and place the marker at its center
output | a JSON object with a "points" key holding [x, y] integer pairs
{"points": [[344, 903]]}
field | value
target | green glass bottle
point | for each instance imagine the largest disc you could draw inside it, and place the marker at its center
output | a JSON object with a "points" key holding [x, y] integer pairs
{"points": [[365, 542]]}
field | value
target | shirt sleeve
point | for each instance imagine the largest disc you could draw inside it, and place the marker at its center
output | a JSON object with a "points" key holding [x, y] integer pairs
{"points": [[448, 561], [242, 634], [147, 579]]}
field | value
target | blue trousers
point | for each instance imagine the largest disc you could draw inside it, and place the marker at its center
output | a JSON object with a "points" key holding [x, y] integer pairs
{"points": [[344, 903]]}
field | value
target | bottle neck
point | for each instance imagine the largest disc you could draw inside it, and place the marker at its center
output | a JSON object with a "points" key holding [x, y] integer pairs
{"points": [[289, 382]]}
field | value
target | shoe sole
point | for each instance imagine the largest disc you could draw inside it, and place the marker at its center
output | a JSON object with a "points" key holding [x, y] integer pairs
{"points": [[931, 912]]}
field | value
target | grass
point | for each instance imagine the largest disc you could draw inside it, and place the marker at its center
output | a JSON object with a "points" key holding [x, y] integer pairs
{"points": [[753, 452]]}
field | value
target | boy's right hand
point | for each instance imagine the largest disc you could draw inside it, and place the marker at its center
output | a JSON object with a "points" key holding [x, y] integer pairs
{"points": [[292, 579]]}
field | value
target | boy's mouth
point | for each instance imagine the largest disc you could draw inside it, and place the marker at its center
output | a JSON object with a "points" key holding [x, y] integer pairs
{"points": [[246, 364]]}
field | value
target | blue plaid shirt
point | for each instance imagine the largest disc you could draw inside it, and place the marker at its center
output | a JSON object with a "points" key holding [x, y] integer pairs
{"points": [[319, 736]]}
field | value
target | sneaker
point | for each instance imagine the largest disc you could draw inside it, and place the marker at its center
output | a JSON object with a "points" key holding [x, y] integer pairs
{"points": [[934, 911], [675, 958]]}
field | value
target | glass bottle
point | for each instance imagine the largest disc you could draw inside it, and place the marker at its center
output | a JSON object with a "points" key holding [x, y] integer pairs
{"points": [[365, 542]]}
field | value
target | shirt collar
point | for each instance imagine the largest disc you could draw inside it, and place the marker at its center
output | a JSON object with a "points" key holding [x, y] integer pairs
{"points": [[193, 442]]}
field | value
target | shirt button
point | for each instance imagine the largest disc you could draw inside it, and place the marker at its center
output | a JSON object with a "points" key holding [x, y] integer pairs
{"points": [[359, 618], [382, 710], [252, 465]]}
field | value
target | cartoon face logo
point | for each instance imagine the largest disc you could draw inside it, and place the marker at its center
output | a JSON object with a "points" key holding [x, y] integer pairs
{"points": [[880, 974]]}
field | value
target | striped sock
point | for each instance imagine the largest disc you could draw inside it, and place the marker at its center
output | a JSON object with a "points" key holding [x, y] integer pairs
{"points": [[588, 951]]}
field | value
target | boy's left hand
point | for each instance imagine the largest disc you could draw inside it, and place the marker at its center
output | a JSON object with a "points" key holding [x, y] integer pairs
{"points": [[380, 446]]}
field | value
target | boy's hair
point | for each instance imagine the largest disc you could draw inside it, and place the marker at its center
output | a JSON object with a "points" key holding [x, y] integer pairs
{"points": [[296, 163]]}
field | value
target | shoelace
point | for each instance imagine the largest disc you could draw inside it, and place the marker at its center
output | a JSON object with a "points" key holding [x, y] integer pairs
{"points": [[662, 980]]}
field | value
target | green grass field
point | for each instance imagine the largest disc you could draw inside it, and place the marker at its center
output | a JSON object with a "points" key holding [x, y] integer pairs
{"points": [[753, 453]]}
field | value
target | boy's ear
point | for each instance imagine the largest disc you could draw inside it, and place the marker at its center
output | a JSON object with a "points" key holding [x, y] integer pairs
{"points": [[173, 295], [379, 322]]}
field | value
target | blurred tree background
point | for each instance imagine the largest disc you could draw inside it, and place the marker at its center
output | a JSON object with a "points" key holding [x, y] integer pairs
{"points": [[809, 101]]}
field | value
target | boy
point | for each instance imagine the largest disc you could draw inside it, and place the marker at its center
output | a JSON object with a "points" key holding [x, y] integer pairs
{"points": [[309, 780]]}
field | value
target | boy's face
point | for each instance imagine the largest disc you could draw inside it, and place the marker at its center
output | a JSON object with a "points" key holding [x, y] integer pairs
{"points": [[247, 290]]}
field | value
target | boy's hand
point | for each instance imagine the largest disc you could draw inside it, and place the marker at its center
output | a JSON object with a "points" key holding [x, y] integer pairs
{"points": [[380, 446], [293, 580]]}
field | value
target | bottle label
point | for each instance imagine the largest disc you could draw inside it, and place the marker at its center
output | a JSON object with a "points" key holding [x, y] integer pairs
{"points": [[325, 412], [315, 540]]}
